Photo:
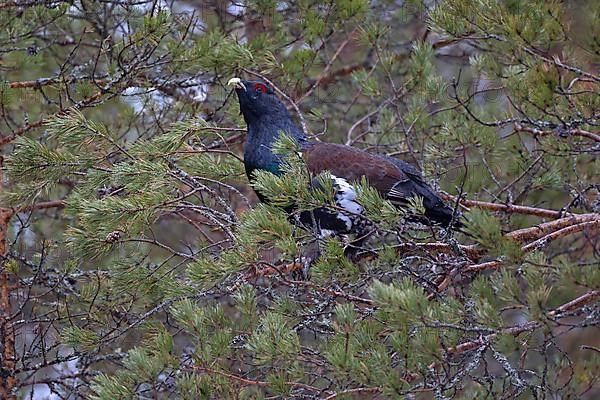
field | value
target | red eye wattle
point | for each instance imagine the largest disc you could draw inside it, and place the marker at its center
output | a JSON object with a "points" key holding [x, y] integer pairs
{"points": [[259, 87]]}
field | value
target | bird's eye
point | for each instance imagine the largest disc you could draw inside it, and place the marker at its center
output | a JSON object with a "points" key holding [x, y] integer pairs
{"points": [[260, 88]]}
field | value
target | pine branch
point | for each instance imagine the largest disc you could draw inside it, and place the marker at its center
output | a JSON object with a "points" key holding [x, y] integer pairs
{"points": [[530, 326], [537, 231], [557, 62], [577, 303], [575, 132], [28, 3], [9, 138], [325, 80], [8, 378], [253, 382], [325, 73], [508, 208], [337, 293], [10, 212], [590, 226], [348, 392], [4, 140], [41, 82]]}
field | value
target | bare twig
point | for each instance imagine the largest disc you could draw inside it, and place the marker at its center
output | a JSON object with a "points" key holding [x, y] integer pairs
{"points": [[325, 72]]}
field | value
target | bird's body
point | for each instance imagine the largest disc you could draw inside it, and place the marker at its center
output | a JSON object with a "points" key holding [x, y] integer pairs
{"points": [[397, 181]]}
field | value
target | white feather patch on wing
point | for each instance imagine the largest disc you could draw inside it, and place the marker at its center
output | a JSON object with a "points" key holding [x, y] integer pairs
{"points": [[326, 233], [394, 192], [345, 197]]}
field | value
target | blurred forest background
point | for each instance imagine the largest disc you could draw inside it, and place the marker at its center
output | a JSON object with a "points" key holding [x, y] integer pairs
{"points": [[136, 261]]}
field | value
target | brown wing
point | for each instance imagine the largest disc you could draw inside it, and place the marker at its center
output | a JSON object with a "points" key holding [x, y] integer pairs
{"points": [[394, 179], [352, 164]]}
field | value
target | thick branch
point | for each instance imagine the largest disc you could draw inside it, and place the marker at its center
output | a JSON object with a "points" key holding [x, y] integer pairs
{"points": [[536, 232], [542, 241], [9, 138], [38, 83], [8, 378], [508, 208], [7, 213], [588, 226], [575, 132], [14, 3]]}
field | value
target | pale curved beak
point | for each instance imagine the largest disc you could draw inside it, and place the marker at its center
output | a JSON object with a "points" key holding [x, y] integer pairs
{"points": [[237, 83]]}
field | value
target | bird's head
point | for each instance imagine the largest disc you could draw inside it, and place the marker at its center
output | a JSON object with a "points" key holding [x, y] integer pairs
{"points": [[257, 100]]}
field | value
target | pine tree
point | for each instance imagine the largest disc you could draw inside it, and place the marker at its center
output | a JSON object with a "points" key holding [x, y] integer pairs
{"points": [[137, 262]]}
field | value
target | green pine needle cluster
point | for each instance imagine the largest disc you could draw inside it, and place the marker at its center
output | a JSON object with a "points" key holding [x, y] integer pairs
{"points": [[137, 250]]}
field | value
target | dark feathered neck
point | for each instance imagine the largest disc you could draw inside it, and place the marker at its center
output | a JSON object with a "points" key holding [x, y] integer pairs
{"points": [[263, 132]]}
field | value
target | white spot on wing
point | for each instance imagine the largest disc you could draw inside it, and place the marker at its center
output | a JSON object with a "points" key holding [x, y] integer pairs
{"points": [[345, 197], [395, 192], [326, 233]]}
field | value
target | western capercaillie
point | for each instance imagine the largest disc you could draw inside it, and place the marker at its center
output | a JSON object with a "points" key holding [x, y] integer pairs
{"points": [[267, 117]]}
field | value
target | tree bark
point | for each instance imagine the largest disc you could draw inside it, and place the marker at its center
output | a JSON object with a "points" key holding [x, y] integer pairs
{"points": [[7, 335]]}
